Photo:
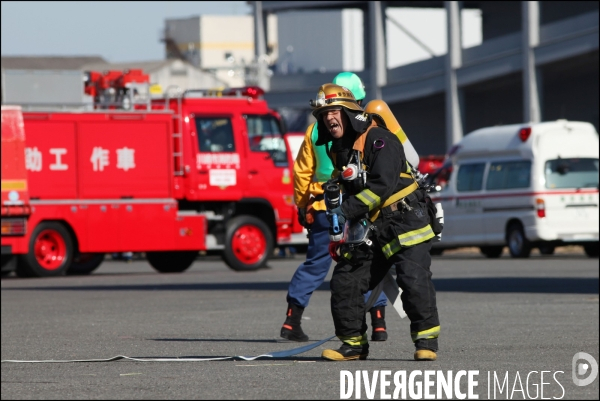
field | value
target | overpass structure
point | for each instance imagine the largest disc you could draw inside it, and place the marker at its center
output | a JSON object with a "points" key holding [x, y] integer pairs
{"points": [[538, 61]]}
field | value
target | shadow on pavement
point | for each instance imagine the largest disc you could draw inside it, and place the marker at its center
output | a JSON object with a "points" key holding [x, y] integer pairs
{"points": [[557, 285]]}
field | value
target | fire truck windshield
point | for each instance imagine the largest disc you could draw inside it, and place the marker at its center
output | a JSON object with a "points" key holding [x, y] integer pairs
{"points": [[264, 134]]}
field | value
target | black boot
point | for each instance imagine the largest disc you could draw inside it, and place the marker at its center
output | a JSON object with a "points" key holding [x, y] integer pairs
{"points": [[291, 329], [378, 323], [346, 353]]}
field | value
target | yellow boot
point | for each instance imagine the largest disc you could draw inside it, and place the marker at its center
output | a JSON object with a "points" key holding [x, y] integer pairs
{"points": [[425, 355], [346, 353]]}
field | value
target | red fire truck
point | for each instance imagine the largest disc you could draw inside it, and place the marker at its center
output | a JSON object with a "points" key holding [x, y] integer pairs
{"points": [[193, 170], [15, 195]]}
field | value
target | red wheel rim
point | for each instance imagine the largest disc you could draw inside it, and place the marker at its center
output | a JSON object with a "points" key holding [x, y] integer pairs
{"points": [[249, 244], [50, 249]]}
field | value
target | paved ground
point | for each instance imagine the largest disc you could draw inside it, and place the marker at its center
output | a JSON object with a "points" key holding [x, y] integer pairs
{"points": [[504, 315]]}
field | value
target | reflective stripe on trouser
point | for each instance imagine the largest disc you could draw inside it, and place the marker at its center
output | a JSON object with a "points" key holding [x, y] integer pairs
{"points": [[354, 341], [349, 283], [408, 239], [312, 272], [428, 334], [369, 198]]}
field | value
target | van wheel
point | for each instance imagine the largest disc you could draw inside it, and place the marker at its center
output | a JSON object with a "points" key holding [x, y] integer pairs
{"points": [[591, 249], [50, 252], [492, 252], [518, 245], [436, 251], [85, 263], [171, 261], [248, 244], [546, 249]]}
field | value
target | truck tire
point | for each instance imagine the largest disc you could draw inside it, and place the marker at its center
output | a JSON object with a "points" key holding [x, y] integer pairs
{"points": [[171, 261], [591, 250], [85, 263], [518, 245], [492, 252], [248, 243], [50, 252]]}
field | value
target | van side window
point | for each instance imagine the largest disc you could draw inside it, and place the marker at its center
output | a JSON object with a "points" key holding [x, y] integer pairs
{"points": [[509, 175], [470, 177], [215, 134], [572, 173]]}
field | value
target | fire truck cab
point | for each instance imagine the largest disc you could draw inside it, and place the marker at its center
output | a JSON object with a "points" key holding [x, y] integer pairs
{"points": [[232, 164]]}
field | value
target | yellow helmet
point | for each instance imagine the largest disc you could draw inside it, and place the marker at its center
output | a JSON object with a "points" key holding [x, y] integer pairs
{"points": [[331, 96]]}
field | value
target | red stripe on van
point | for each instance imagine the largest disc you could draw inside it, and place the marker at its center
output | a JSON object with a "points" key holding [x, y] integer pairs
{"points": [[582, 191]]}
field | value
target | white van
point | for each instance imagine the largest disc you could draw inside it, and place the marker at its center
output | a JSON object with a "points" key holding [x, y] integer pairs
{"points": [[521, 186]]}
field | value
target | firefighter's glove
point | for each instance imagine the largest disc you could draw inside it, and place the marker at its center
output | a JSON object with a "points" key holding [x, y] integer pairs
{"points": [[341, 219], [302, 217]]}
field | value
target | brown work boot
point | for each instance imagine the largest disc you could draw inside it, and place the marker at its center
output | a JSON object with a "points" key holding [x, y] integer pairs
{"points": [[346, 353], [425, 355]]}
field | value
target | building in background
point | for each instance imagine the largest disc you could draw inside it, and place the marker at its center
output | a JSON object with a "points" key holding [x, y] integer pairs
{"points": [[533, 61], [220, 44], [340, 41]]}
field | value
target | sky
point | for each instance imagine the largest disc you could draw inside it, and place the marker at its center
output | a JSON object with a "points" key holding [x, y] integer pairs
{"points": [[130, 31], [117, 31]]}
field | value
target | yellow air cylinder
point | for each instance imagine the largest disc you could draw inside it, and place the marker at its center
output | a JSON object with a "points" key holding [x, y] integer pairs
{"points": [[381, 108]]}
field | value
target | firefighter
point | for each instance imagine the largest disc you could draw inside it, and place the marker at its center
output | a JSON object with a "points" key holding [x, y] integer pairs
{"points": [[402, 234], [313, 167]]}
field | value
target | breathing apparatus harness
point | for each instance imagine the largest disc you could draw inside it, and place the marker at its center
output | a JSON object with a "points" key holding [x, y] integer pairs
{"points": [[356, 232]]}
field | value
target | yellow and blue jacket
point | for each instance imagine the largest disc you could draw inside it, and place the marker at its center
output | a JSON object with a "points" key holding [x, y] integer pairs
{"points": [[311, 169]]}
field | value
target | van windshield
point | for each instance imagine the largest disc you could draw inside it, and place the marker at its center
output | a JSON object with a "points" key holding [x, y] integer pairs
{"points": [[572, 173]]}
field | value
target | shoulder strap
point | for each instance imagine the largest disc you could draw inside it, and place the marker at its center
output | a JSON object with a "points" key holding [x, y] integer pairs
{"points": [[359, 143]]}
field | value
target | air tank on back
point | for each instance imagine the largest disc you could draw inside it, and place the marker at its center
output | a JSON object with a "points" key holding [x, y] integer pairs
{"points": [[381, 108]]}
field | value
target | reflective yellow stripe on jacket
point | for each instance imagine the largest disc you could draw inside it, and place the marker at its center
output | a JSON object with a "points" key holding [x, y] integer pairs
{"points": [[369, 198]]}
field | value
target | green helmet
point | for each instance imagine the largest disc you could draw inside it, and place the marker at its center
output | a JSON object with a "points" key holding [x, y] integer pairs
{"points": [[351, 81]]}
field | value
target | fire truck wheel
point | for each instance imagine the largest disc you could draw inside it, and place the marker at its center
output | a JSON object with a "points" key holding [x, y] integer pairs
{"points": [[248, 245], [171, 261], [85, 263], [50, 252]]}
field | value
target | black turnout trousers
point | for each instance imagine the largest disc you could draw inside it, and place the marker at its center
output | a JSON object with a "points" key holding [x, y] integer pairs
{"points": [[350, 282]]}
